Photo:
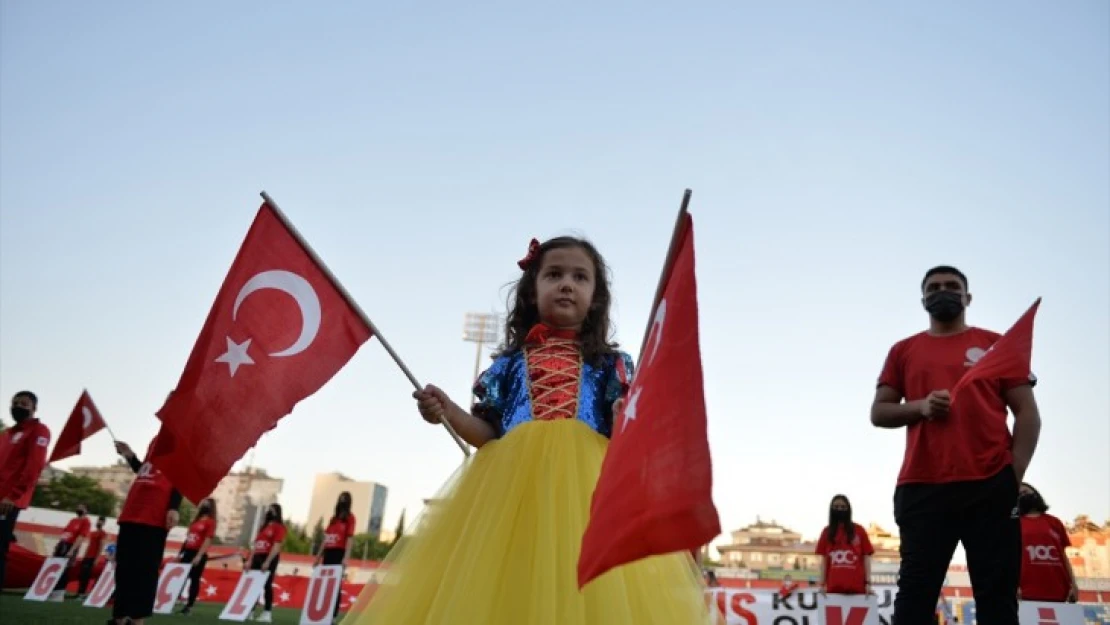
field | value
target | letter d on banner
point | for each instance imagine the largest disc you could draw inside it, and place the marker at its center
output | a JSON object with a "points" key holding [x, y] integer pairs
{"points": [[849, 609], [105, 585], [323, 592], [46, 580], [170, 584], [246, 594]]}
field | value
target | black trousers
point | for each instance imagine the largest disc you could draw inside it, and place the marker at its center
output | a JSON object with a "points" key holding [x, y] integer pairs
{"points": [[7, 537], [932, 519], [87, 565], [256, 565], [138, 557], [335, 556], [61, 550], [187, 556]]}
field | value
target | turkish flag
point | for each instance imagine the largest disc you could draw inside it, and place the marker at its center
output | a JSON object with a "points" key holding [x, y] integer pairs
{"points": [[279, 329], [654, 495], [83, 422], [1010, 357]]}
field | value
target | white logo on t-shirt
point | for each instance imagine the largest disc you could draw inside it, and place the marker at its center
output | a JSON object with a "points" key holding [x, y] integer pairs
{"points": [[973, 355]]}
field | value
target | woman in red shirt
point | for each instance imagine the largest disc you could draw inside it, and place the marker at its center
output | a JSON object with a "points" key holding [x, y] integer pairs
{"points": [[338, 538], [1046, 573], [148, 513], [846, 552], [267, 552], [195, 548]]}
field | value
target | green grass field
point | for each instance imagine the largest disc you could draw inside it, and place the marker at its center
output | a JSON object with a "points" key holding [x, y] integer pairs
{"points": [[15, 611]]}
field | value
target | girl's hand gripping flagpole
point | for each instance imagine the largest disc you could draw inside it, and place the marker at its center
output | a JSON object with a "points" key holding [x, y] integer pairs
{"points": [[361, 313]]}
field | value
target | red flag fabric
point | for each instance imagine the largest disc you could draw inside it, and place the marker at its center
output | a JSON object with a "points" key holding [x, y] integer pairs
{"points": [[83, 422], [654, 495], [277, 332], [1011, 355]]}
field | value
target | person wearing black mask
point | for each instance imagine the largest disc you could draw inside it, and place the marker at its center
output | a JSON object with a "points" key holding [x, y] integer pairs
{"points": [[338, 539], [845, 551], [92, 552], [195, 548], [961, 470], [22, 458], [267, 553], [68, 545], [1046, 573]]}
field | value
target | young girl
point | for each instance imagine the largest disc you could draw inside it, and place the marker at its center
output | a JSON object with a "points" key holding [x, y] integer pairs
{"points": [[1046, 573], [338, 540], [195, 548], [502, 544], [266, 553], [846, 552]]}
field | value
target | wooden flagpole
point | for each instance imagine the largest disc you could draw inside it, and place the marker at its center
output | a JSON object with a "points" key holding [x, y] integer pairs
{"points": [[672, 251], [361, 313]]}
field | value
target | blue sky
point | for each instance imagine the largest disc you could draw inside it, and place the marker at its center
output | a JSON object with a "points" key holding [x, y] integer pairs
{"points": [[835, 153]]}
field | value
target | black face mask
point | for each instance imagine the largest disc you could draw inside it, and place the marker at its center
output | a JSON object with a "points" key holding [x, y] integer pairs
{"points": [[840, 515], [944, 306], [80, 513], [270, 516], [19, 413], [1026, 503]]}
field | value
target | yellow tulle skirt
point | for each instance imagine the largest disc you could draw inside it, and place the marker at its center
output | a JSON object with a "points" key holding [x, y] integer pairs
{"points": [[500, 545]]}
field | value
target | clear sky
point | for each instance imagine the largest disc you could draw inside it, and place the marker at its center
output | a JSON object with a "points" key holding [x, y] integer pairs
{"points": [[835, 152]]}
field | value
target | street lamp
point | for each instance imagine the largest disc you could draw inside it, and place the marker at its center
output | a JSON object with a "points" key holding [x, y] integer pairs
{"points": [[481, 328]]}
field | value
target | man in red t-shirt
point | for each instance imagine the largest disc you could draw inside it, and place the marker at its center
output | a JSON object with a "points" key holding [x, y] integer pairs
{"points": [[22, 457], [962, 466]]}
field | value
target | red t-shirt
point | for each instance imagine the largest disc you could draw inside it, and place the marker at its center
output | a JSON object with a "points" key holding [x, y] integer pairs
{"points": [[22, 457], [338, 532], [148, 500], [973, 441], [273, 533], [1044, 574], [199, 531], [76, 528], [845, 572], [96, 539]]}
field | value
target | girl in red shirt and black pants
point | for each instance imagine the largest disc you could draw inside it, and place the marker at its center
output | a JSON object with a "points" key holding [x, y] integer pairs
{"points": [[338, 539], [149, 512], [845, 552], [195, 548], [267, 552], [1046, 573]]}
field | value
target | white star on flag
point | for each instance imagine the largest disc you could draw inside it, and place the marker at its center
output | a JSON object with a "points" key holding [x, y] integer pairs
{"points": [[630, 409], [285, 597], [236, 355], [210, 591]]}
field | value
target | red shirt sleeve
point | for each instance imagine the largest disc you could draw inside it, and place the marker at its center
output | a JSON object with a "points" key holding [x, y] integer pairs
{"points": [[822, 543], [864, 541], [84, 528], [351, 523], [36, 460], [279, 534], [891, 375], [1065, 537]]}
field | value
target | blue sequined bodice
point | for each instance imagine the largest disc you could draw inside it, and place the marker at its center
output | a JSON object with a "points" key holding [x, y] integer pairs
{"points": [[504, 393]]}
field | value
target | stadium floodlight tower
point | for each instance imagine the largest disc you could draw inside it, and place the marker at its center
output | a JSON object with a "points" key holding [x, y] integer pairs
{"points": [[483, 329]]}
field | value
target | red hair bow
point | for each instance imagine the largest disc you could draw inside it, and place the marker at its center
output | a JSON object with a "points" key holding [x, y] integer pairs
{"points": [[530, 257]]}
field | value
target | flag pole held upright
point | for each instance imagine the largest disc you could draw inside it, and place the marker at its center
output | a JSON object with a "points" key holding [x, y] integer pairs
{"points": [[361, 313], [672, 250]]}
